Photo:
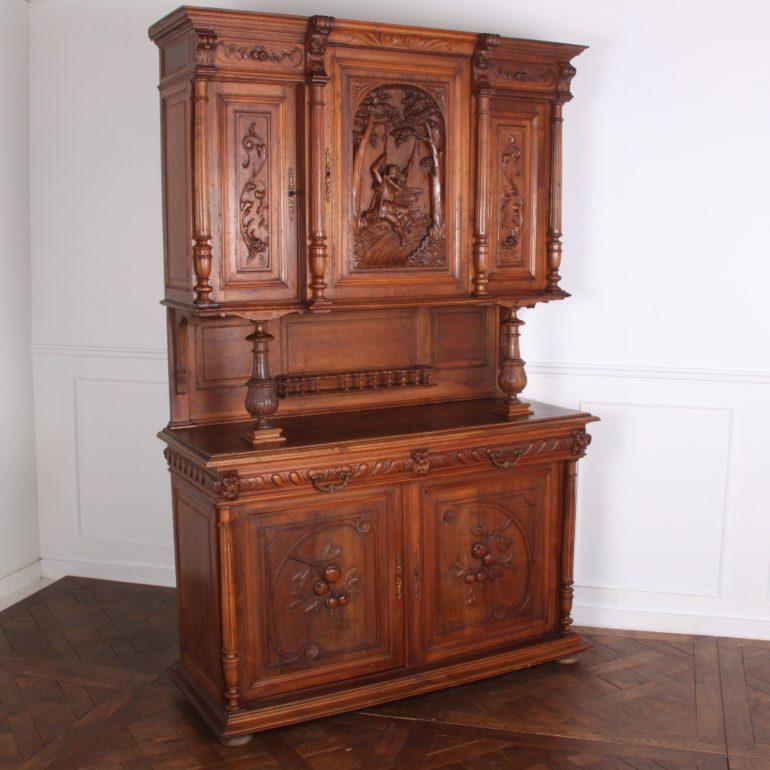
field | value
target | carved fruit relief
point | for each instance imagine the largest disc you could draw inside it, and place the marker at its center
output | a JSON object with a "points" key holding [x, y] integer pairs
{"points": [[398, 188], [253, 201]]}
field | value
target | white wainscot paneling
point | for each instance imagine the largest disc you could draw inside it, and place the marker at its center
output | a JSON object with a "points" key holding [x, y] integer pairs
{"points": [[653, 499], [673, 532], [123, 496], [104, 502]]}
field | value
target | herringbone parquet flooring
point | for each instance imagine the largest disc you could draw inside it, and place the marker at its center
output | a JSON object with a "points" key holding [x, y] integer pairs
{"points": [[84, 684]]}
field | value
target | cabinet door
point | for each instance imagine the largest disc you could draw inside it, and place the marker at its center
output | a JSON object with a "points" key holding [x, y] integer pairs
{"points": [[322, 590], [255, 215], [400, 136], [519, 210], [484, 561]]}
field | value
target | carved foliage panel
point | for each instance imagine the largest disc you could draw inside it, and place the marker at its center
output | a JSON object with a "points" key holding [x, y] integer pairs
{"points": [[321, 592], [486, 559], [257, 159], [400, 131], [516, 182]]}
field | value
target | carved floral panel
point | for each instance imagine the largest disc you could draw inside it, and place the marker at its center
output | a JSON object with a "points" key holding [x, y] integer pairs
{"points": [[511, 194], [398, 193], [321, 588]]}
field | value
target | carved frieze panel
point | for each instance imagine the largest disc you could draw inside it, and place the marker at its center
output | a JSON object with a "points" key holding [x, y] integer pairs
{"points": [[524, 75], [398, 173]]}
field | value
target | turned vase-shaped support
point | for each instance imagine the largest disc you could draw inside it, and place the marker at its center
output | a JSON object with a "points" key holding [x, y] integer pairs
{"points": [[262, 391], [512, 378]]}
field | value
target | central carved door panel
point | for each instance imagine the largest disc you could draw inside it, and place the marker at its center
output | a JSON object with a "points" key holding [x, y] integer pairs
{"points": [[398, 174], [257, 215], [486, 571], [323, 597]]}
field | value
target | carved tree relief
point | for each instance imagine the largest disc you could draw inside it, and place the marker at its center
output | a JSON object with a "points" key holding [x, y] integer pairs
{"points": [[254, 217], [511, 202], [399, 141]]}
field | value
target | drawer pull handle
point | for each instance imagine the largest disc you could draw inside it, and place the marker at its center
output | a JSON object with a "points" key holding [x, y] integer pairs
{"points": [[494, 456], [333, 485]]}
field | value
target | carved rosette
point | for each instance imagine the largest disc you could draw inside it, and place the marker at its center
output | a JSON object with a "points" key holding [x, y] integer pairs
{"points": [[399, 141], [254, 206]]}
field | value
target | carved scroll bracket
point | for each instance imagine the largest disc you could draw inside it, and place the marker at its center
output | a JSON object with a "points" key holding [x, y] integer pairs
{"points": [[316, 41], [512, 378], [262, 391]]}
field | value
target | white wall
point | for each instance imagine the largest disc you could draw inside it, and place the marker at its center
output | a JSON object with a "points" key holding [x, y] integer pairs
{"points": [[665, 338], [19, 548]]}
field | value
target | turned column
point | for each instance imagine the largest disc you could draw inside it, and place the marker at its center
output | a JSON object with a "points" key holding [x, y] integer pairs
{"points": [[484, 45], [316, 40], [512, 378], [200, 214], [262, 391], [566, 73]]}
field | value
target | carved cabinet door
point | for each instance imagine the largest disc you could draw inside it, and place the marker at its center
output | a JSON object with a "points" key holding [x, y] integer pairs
{"points": [[519, 203], [399, 136], [323, 590], [484, 556], [255, 211]]}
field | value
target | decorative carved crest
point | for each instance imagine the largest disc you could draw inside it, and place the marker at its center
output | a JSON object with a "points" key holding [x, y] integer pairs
{"points": [[259, 53], [254, 219], [391, 40], [316, 40], [522, 73], [511, 202], [481, 62], [399, 141]]}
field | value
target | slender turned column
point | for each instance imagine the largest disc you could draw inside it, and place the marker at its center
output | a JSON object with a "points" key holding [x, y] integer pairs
{"points": [[201, 227], [566, 591], [512, 378], [484, 45], [262, 391], [566, 73], [229, 628], [316, 40]]}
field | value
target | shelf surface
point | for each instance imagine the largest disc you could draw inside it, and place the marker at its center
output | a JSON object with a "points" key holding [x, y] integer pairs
{"points": [[224, 441]]}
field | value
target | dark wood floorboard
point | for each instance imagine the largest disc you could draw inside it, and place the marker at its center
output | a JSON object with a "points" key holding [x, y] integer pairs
{"points": [[84, 685]]}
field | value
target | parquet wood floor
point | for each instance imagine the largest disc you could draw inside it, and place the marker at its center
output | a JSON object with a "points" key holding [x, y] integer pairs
{"points": [[84, 685]]}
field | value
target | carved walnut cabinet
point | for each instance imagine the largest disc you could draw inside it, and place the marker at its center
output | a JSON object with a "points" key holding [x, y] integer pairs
{"points": [[354, 214]]}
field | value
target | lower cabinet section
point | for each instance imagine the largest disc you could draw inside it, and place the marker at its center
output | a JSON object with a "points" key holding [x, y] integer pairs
{"points": [[485, 555], [320, 594], [310, 598]]}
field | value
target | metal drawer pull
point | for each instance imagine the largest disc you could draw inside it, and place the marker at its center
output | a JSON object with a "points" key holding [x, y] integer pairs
{"points": [[318, 481], [494, 456]]}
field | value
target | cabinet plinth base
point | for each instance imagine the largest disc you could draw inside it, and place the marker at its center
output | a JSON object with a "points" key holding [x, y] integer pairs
{"points": [[307, 705]]}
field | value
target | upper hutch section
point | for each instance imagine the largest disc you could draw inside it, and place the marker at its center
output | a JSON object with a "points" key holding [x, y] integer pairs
{"points": [[314, 163]]}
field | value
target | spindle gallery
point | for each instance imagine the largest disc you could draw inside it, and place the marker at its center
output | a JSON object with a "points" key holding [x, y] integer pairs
{"points": [[365, 507]]}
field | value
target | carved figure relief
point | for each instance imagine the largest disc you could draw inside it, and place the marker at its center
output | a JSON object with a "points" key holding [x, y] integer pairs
{"points": [[399, 140], [254, 220], [511, 202]]}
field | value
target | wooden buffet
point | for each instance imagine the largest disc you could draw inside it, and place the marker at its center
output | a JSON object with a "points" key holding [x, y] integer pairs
{"points": [[364, 507]]}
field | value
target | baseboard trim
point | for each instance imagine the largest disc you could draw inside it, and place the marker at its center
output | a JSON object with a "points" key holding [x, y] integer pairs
{"points": [[671, 622], [128, 573], [21, 583]]}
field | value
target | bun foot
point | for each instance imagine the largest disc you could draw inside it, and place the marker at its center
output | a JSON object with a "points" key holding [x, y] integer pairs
{"points": [[569, 660], [236, 740]]}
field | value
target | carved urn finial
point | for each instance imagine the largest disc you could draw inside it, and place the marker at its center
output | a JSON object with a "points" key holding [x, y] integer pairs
{"points": [[262, 391], [512, 378]]}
